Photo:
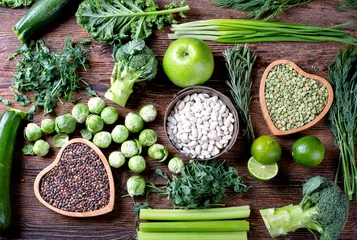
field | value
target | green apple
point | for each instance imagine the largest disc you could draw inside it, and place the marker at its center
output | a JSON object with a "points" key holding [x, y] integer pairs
{"points": [[188, 62]]}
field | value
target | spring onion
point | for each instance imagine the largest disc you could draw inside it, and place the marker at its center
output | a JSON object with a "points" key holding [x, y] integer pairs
{"points": [[192, 235], [248, 31], [195, 214]]}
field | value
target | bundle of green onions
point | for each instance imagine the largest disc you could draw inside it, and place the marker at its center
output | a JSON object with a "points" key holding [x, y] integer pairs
{"points": [[193, 224], [248, 31]]}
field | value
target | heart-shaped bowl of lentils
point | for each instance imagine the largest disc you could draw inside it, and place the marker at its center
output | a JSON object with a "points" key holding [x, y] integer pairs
{"points": [[292, 100], [78, 183], [201, 123]]}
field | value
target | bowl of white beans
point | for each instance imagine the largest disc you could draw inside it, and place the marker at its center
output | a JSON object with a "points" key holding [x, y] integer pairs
{"points": [[201, 123]]}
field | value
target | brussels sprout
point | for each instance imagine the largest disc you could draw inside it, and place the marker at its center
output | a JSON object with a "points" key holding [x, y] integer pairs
{"points": [[86, 134], [94, 123], [137, 164], [60, 139], [131, 148], [27, 149], [102, 139], [109, 115], [133, 122], [158, 152], [65, 124], [96, 105], [41, 148], [32, 132], [116, 159], [135, 186], [148, 113], [47, 126], [176, 165], [147, 137], [80, 112], [120, 133]]}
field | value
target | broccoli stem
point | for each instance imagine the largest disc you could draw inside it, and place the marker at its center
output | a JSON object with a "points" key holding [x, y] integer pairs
{"points": [[280, 221]]}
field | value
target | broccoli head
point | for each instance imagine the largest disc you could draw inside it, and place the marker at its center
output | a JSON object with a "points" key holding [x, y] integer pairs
{"points": [[134, 62], [323, 208]]}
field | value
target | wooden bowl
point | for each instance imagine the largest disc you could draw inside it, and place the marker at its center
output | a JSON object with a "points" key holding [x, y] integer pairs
{"points": [[106, 209], [265, 111]]}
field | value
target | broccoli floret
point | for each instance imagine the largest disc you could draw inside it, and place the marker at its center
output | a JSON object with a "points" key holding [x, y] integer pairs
{"points": [[323, 208], [134, 62]]}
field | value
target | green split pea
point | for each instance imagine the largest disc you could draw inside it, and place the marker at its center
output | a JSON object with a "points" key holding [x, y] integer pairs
{"points": [[293, 100]]}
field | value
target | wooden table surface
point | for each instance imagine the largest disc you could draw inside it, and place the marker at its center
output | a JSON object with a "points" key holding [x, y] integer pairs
{"points": [[32, 220]]}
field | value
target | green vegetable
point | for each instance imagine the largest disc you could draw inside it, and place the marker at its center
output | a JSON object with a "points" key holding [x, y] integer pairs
{"points": [[147, 137], [116, 20], [248, 31], [32, 132], [134, 62], [37, 17], [239, 63], [9, 126], [219, 213], [133, 122], [201, 185], [80, 112], [65, 124], [27, 149], [135, 186], [109, 115], [5, 101], [49, 75], [120, 134], [131, 148], [86, 134], [137, 164], [60, 139], [195, 226], [176, 165], [148, 113], [260, 8], [323, 208], [94, 123], [158, 152], [41, 148], [96, 105], [102, 139], [342, 74], [116, 159], [47, 126], [192, 235], [351, 4], [15, 3]]}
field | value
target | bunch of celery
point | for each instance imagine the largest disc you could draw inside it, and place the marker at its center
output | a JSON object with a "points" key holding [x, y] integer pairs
{"points": [[248, 31], [187, 224]]}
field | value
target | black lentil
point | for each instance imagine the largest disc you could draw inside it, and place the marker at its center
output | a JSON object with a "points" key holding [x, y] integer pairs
{"points": [[79, 181]]}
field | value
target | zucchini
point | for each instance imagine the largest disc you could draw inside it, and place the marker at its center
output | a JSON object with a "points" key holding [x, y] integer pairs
{"points": [[40, 14], [9, 125]]}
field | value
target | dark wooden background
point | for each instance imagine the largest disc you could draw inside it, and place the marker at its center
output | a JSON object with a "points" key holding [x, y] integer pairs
{"points": [[32, 220]]}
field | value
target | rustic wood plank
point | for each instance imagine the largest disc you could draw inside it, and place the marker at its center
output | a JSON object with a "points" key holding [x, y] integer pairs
{"points": [[31, 220]]}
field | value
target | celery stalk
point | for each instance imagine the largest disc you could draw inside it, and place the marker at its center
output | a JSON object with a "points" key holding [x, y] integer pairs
{"points": [[195, 226], [192, 235], [195, 214]]}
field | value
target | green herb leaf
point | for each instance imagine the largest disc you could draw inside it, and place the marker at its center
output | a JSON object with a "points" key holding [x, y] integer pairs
{"points": [[15, 3], [5, 101]]}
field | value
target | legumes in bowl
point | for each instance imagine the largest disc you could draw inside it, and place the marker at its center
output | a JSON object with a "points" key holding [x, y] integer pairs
{"points": [[201, 123]]}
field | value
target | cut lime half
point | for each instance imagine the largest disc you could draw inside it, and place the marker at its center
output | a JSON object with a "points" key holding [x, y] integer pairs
{"points": [[262, 172]]}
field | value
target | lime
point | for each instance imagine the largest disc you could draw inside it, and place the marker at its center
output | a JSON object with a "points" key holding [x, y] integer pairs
{"points": [[262, 172], [308, 151], [266, 150]]}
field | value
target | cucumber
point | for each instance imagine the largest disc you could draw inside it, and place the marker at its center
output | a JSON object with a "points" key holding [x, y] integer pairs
{"points": [[40, 14], [9, 125]]}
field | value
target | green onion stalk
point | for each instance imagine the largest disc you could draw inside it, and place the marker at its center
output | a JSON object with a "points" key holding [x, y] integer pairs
{"points": [[249, 31]]}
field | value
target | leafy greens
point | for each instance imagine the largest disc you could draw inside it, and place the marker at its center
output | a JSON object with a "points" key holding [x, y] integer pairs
{"points": [[111, 21], [49, 75], [15, 3]]}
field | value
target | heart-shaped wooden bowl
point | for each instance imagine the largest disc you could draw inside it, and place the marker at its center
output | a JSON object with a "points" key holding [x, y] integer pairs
{"points": [[107, 208], [264, 108]]}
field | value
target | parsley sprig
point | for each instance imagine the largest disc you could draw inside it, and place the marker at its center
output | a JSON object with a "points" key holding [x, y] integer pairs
{"points": [[50, 75], [202, 185]]}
